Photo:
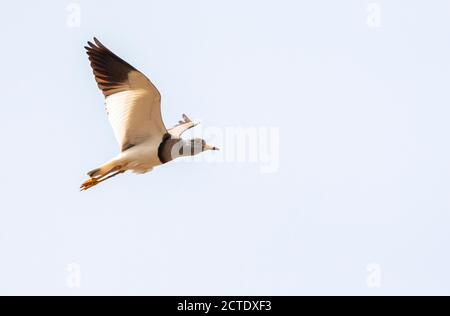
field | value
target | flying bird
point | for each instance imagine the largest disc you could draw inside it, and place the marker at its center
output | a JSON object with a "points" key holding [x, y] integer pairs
{"points": [[133, 106]]}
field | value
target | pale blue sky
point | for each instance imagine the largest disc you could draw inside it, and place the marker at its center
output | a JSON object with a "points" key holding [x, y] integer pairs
{"points": [[364, 156]]}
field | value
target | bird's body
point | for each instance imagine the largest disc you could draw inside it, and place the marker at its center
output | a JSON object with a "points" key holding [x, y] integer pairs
{"points": [[134, 112], [140, 159]]}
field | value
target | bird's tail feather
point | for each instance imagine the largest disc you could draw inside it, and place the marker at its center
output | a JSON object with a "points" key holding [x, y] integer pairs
{"points": [[94, 172]]}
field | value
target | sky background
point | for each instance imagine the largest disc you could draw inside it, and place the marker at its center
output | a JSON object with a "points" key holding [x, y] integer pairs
{"points": [[359, 203]]}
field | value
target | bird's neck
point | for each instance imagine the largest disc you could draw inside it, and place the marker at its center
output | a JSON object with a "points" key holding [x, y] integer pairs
{"points": [[172, 148]]}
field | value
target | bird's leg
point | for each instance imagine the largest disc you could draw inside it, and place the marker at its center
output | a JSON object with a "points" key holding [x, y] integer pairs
{"points": [[110, 176], [96, 180]]}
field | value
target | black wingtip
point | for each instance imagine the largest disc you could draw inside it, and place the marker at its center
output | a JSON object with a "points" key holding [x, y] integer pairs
{"points": [[98, 43]]}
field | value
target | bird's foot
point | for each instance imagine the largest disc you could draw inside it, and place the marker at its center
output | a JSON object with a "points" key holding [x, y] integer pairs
{"points": [[88, 184]]}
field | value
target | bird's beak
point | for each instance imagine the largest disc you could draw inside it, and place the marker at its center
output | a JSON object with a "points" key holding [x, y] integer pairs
{"points": [[209, 147]]}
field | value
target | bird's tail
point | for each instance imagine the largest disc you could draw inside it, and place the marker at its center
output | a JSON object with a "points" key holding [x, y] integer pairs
{"points": [[101, 174]]}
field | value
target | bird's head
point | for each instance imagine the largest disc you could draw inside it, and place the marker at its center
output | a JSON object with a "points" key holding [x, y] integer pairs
{"points": [[191, 147], [198, 145]]}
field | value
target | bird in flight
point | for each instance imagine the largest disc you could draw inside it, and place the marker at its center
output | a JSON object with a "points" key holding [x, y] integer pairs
{"points": [[133, 106]]}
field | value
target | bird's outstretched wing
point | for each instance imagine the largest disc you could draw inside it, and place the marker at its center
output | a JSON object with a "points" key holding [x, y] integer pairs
{"points": [[183, 125], [132, 102]]}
